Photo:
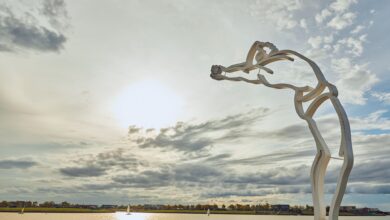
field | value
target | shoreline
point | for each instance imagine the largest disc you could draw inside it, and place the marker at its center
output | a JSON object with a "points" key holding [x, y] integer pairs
{"points": [[222, 212]]}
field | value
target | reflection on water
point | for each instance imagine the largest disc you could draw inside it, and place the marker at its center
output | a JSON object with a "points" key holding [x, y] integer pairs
{"points": [[156, 216]]}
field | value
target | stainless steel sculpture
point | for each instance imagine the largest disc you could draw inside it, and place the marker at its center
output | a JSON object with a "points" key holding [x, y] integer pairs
{"points": [[258, 58]]}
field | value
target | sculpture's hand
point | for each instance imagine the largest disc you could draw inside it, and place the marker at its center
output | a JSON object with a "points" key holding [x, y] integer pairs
{"points": [[216, 72]]}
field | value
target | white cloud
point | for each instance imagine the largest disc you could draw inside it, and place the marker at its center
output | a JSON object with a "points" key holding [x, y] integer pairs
{"points": [[303, 23], [335, 46], [280, 13], [328, 39], [315, 42], [357, 29], [354, 45], [340, 22], [354, 80], [323, 15], [337, 10], [330, 46], [375, 120], [341, 5], [382, 96]]}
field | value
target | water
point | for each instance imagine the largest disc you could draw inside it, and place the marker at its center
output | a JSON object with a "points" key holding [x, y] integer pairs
{"points": [[158, 216]]}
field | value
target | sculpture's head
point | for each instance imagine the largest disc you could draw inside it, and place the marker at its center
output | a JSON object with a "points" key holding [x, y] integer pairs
{"points": [[259, 53]]}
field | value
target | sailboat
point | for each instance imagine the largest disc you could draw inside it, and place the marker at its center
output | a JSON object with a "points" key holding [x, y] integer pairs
{"points": [[208, 212], [22, 211], [128, 210]]}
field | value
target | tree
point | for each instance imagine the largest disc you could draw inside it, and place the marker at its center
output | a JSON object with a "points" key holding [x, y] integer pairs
{"points": [[65, 204], [4, 204]]}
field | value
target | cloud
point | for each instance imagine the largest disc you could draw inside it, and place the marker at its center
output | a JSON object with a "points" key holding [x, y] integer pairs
{"points": [[88, 171], [340, 22], [330, 44], [195, 138], [279, 13], [297, 189], [55, 11], [283, 156], [223, 175], [145, 179], [134, 129], [170, 175], [354, 45], [358, 29], [372, 121], [320, 17], [363, 188], [231, 193], [338, 11], [340, 17], [272, 177], [288, 133], [99, 164], [354, 80], [340, 50], [315, 42], [303, 23], [342, 5], [117, 159], [17, 164], [196, 173], [371, 171], [24, 31], [382, 97], [207, 170]]}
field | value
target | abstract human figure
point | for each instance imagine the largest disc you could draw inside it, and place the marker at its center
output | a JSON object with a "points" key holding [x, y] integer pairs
{"points": [[258, 58]]}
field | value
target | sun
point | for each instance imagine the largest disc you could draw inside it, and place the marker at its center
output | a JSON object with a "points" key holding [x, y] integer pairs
{"points": [[147, 104]]}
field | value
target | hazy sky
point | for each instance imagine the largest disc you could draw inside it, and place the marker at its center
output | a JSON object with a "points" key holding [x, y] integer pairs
{"points": [[111, 101]]}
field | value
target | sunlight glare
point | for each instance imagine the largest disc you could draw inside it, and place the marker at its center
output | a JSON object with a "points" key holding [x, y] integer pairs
{"points": [[147, 104]]}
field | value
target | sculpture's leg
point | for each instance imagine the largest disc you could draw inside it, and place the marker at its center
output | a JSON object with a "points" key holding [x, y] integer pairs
{"points": [[317, 180], [345, 151], [318, 171], [340, 188], [314, 188]]}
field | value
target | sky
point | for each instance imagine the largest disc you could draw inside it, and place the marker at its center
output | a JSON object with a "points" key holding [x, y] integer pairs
{"points": [[110, 102]]}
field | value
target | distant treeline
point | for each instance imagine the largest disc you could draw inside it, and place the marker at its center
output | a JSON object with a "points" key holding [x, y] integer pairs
{"points": [[266, 208], [237, 207]]}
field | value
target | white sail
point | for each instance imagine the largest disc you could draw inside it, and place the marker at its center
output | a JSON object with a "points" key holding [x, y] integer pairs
{"points": [[128, 210], [208, 212]]}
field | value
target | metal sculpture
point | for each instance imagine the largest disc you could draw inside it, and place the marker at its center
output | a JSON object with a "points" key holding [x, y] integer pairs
{"points": [[258, 58]]}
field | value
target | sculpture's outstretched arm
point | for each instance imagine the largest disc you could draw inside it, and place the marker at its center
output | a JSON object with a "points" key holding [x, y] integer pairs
{"points": [[216, 73], [222, 77], [245, 68]]}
